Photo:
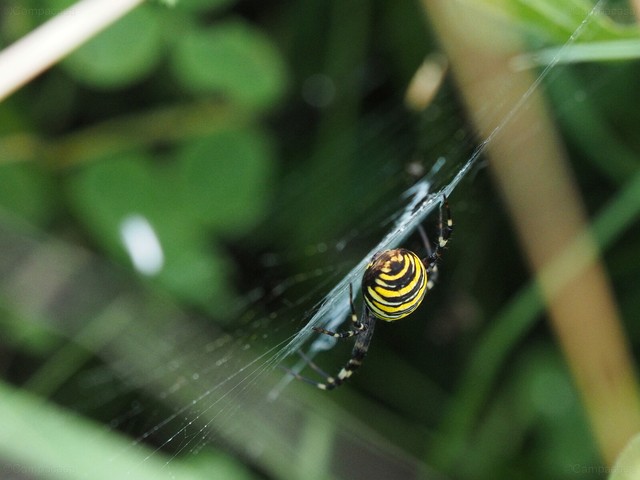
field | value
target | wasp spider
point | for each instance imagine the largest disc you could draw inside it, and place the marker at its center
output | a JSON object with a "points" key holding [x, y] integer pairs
{"points": [[393, 286]]}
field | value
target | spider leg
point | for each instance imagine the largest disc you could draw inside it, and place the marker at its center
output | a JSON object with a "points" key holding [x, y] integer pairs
{"points": [[356, 328], [432, 269], [445, 230], [434, 255], [358, 353]]}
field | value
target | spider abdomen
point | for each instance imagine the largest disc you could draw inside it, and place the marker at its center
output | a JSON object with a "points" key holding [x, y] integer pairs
{"points": [[394, 284]]}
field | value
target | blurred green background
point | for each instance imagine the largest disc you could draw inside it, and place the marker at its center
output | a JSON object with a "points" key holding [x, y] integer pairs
{"points": [[267, 146]]}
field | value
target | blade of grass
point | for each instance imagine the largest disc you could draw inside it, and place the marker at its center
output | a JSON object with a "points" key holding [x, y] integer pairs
{"points": [[40, 439]]}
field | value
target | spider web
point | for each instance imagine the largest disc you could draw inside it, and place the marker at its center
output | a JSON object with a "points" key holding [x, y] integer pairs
{"points": [[193, 385], [420, 202]]}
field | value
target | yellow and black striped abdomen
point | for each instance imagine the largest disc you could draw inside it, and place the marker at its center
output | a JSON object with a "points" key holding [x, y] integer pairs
{"points": [[394, 284]]}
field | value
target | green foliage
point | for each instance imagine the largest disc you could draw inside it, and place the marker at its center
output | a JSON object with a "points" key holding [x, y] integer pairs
{"points": [[121, 55], [209, 186], [215, 185], [232, 60], [225, 179], [202, 5], [190, 117], [26, 191]]}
